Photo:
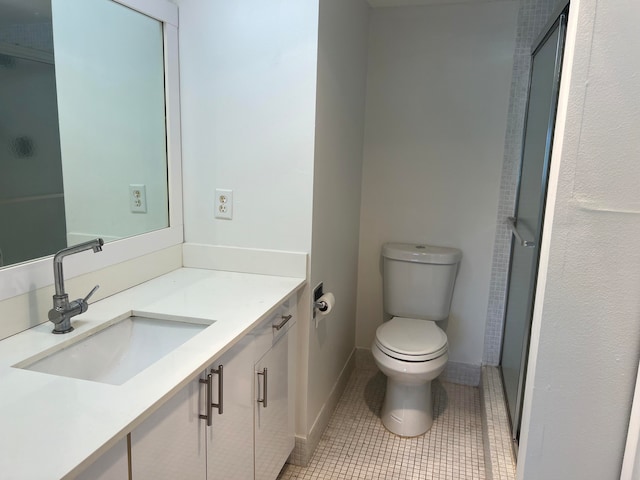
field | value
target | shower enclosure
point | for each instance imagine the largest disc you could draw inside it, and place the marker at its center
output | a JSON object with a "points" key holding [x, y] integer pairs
{"points": [[526, 225]]}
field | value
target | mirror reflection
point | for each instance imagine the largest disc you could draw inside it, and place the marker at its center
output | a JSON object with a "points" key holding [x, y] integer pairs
{"points": [[82, 125]]}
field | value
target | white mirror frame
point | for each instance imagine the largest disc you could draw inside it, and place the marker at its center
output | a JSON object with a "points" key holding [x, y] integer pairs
{"points": [[25, 277]]}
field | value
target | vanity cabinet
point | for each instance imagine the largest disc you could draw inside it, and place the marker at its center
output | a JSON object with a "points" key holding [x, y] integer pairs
{"points": [[238, 437], [273, 392], [273, 422], [171, 443], [178, 442], [111, 465], [230, 436]]}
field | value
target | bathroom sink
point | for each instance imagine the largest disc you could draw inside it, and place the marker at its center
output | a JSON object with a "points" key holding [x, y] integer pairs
{"points": [[115, 354]]}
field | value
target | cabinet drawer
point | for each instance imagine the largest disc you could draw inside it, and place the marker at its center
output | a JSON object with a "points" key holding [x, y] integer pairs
{"points": [[274, 327], [273, 428]]}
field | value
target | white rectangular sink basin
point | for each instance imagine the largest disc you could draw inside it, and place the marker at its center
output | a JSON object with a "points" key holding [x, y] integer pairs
{"points": [[117, 353]]}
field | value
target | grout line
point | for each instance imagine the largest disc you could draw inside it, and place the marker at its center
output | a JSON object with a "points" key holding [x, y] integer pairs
{"points": [[497, 432], [355, 444]]}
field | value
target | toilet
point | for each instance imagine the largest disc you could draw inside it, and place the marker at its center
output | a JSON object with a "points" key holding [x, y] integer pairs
{"points": [[411, 349]]}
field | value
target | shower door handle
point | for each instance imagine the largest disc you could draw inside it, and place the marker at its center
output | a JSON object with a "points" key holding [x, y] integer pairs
{"points": [[512, 221]]}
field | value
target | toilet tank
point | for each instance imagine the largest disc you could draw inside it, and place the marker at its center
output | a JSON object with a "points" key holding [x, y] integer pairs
{"points": [[418, 280]]}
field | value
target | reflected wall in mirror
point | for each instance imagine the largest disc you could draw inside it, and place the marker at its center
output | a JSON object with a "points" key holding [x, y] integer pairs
{"points": [[77, 133]]}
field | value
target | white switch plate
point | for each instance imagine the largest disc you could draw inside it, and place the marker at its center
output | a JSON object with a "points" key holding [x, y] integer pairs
{"points": [[224, 203], [138, 198]]}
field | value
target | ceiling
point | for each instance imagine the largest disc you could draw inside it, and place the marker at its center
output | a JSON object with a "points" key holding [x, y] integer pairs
{"points": [[39, 11]]}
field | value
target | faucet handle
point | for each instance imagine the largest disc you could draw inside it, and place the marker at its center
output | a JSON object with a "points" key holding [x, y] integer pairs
{"points": [[80, 306], [93, 290]]}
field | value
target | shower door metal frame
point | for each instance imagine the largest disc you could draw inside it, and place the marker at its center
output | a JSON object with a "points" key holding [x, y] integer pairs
{"points": [[558, 21]]}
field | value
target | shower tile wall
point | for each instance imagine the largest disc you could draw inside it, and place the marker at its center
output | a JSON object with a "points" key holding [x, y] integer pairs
{"points": [[532, 17]]}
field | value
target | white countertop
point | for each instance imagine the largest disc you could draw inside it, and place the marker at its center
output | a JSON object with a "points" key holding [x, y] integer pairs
{"points": [[53, 426]]}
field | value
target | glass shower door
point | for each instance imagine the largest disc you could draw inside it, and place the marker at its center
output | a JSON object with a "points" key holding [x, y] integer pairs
{"points": [[527, 224]]}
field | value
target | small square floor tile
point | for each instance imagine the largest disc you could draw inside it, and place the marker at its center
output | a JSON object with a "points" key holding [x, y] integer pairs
{"points": [[356, 445]]}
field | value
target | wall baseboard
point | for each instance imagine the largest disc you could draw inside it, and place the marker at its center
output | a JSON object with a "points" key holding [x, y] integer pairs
{"points": [[364, 360], [462, 374], [305, 447]]}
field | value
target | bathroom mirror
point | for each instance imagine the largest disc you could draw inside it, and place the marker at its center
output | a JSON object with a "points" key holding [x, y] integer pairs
{"points": [[83, 135]]}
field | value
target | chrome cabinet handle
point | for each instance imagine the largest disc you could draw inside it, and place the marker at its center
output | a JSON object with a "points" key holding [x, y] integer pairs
{"points": [[209, 393], [220, 388], [284, 321], [512, 225], [263, 401]]}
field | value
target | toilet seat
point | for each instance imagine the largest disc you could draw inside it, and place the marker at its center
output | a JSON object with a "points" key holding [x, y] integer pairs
{"points": [[411, 339]]}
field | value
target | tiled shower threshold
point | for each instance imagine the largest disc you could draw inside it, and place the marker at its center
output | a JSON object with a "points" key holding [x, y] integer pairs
{"points": [[498, 446]]}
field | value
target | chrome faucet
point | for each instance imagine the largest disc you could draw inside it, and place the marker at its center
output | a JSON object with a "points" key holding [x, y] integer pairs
{"points": [[63, 310]]}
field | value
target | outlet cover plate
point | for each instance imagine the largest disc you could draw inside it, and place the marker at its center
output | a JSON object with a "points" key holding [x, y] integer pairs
{"points": [[224, 203], [138, 198]]}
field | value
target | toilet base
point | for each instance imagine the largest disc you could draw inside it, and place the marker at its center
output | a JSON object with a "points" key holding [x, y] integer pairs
{"points": [[407, 409]]}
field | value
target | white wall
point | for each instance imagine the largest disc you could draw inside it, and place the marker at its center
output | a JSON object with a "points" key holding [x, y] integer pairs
{"points": [[586, 327], [248, 79], [342, 57], [437, 96], [248, 90]]}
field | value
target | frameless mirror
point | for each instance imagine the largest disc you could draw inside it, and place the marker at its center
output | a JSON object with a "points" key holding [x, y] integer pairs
{"points": [[83, 150]]}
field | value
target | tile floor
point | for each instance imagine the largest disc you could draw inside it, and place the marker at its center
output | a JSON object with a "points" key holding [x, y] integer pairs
{"points": [[355, 445]]}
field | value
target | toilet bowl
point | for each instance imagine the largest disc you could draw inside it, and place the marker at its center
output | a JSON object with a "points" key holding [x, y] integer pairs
{"points": [[410, 349], [411, 353]]}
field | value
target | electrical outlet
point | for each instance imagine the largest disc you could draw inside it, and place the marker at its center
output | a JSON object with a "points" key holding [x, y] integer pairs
{"points": [[224, 203], [138, 198]]}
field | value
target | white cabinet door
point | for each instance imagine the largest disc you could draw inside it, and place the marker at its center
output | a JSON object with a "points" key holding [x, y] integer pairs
{"points": [[274, 439], [176, 443], [171, 443], [112, 465], [230, 438], [248, 439]]}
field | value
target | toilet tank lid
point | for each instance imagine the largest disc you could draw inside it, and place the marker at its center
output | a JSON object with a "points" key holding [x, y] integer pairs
{"points": [[421, 253]]}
